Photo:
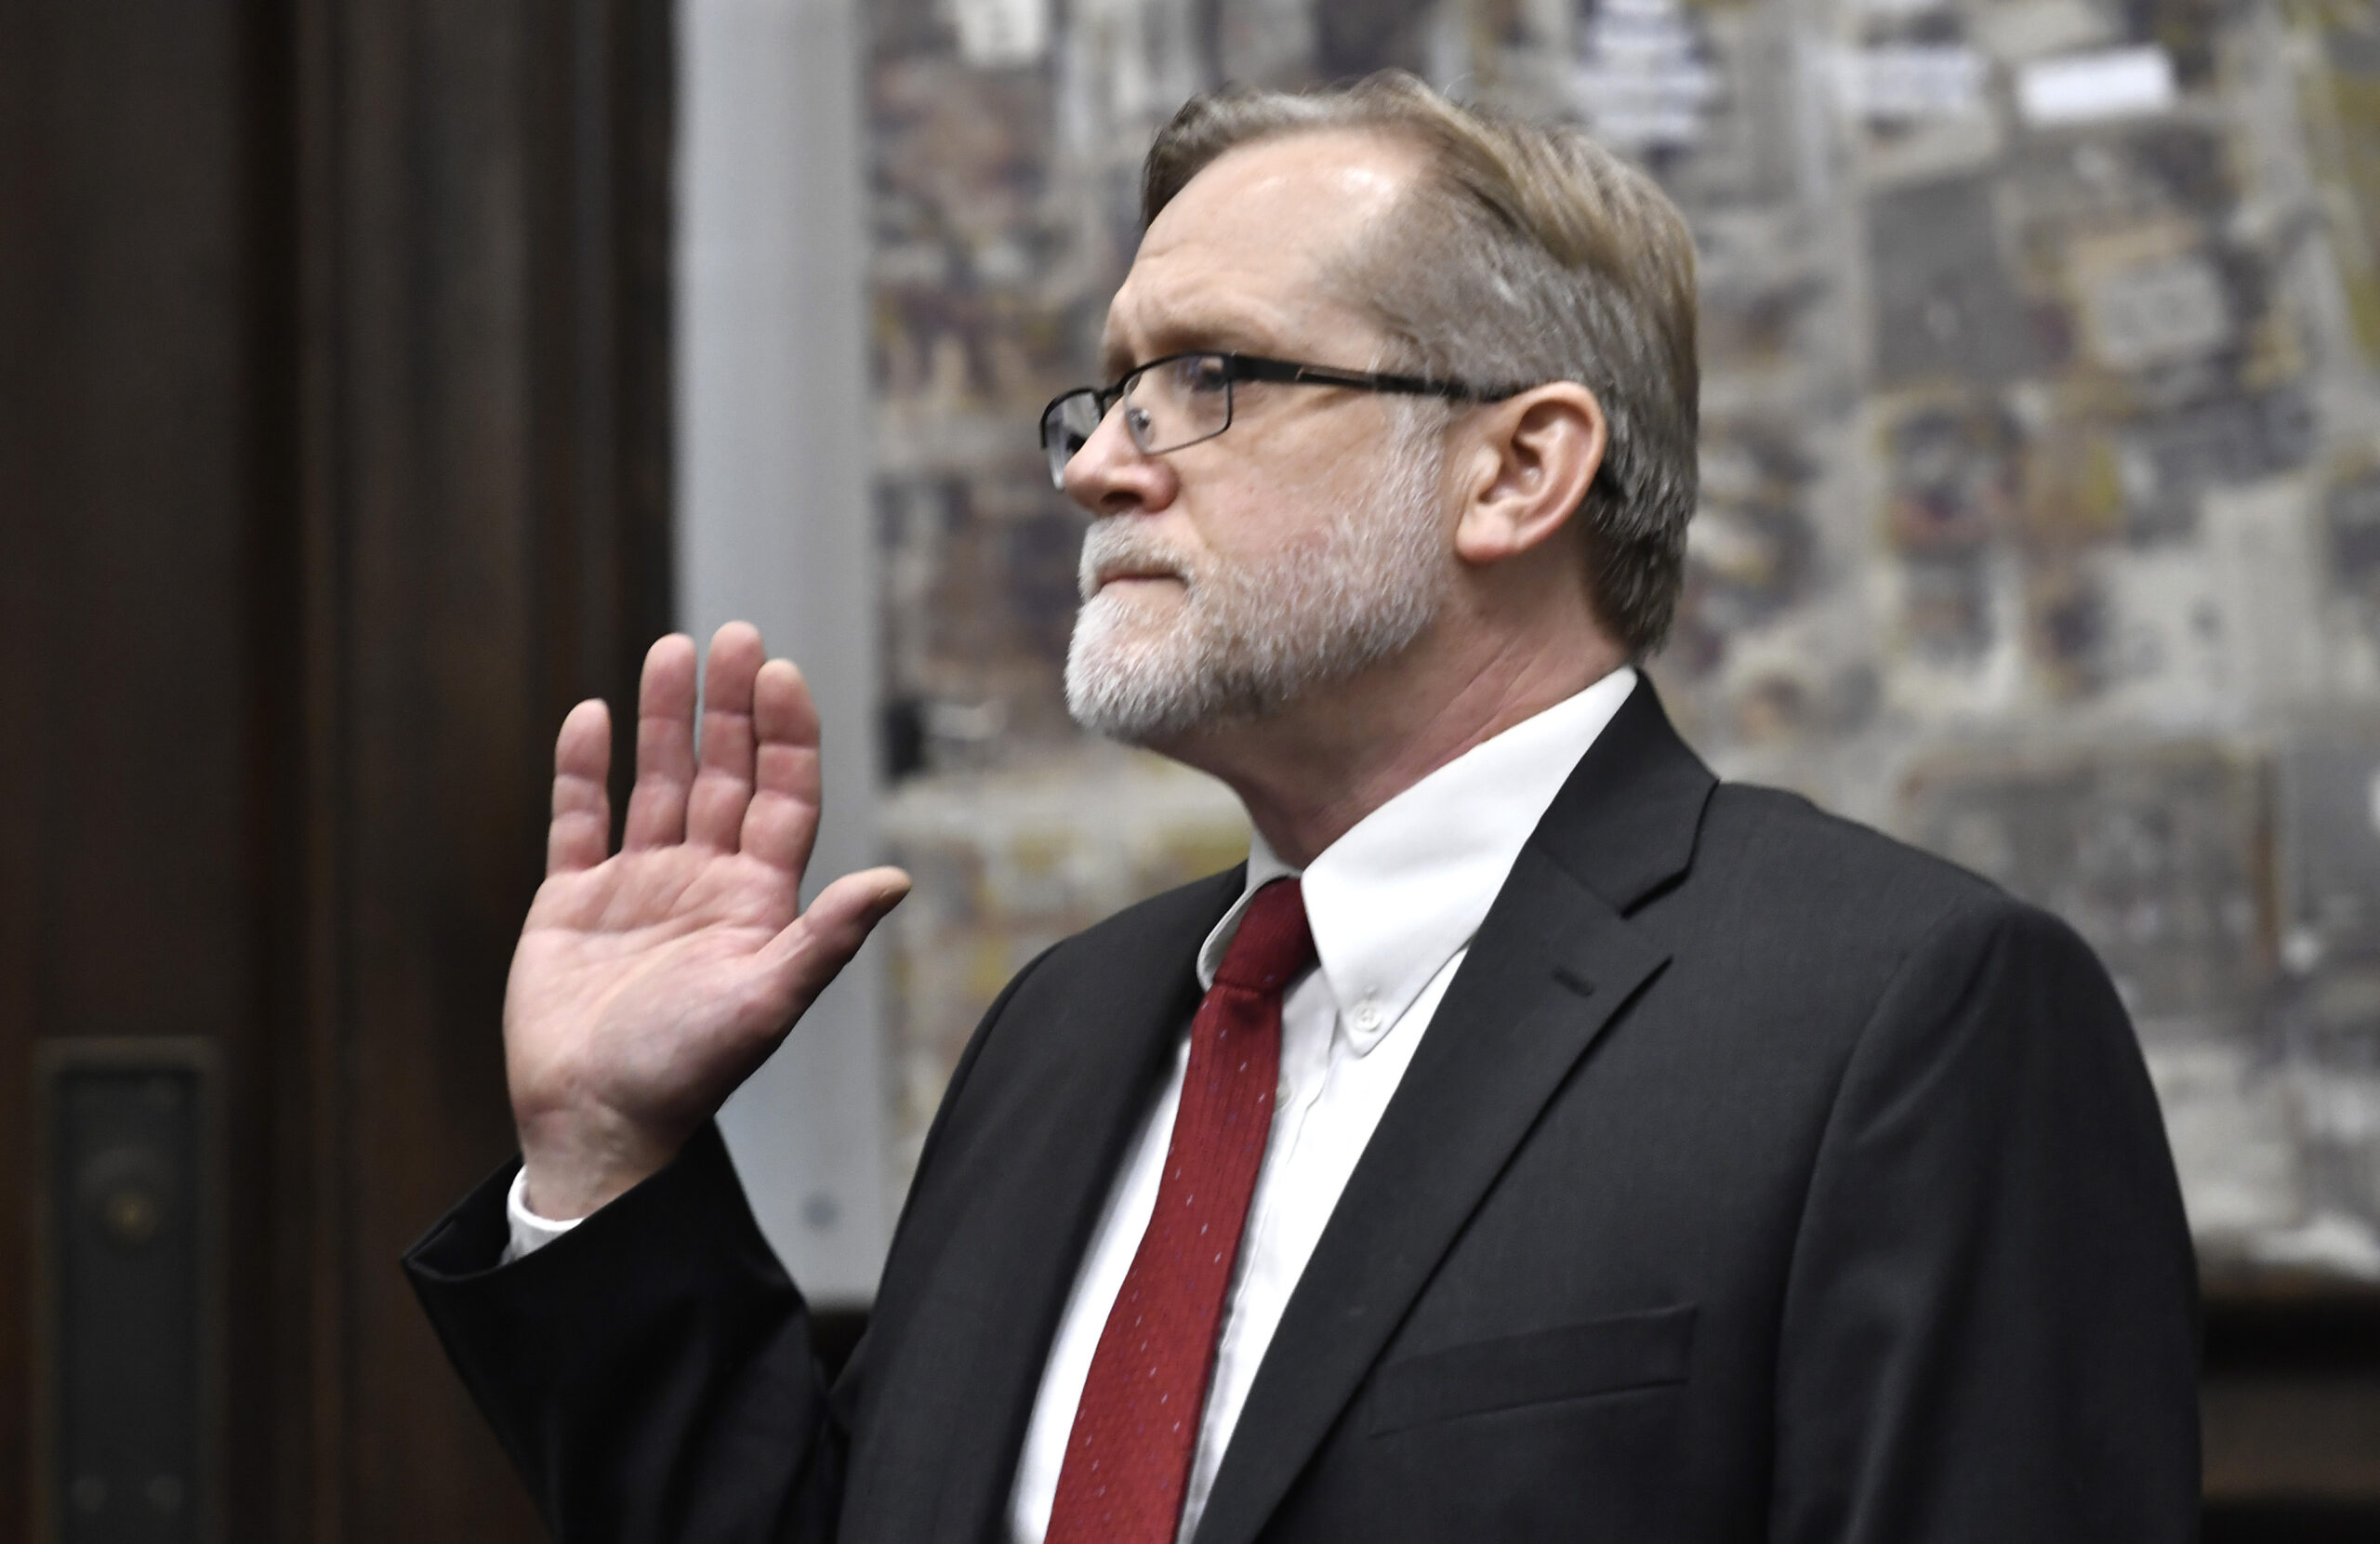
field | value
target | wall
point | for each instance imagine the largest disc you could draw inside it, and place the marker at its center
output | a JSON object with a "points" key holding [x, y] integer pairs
{"points": [[2040, 482], [772, 527]]}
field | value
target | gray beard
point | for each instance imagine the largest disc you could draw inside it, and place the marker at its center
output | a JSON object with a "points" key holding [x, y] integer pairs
{"points": [[1242, 642]]}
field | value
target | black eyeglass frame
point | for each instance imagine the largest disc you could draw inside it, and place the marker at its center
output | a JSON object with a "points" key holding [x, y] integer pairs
{"points": [[1240, 367]]}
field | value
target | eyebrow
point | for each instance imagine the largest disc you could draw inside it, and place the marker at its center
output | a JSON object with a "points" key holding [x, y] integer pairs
{"points": [[1187, 332]]}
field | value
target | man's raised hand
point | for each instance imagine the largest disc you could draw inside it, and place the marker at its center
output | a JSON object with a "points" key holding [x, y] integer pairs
{"points": [[649, 983]]}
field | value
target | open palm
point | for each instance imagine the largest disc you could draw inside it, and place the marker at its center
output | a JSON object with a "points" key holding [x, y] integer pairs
{"points": [[650, 981]]}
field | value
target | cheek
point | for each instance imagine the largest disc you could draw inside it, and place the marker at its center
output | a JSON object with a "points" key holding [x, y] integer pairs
{"points": [[1276, 496], [1253, 524]]}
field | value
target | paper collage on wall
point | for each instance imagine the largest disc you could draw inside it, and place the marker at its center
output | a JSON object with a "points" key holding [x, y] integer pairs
{"points": [[2041, 482]]}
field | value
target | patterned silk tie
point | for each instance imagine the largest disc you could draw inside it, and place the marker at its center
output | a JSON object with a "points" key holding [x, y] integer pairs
{"points": [[1128, 1458]]}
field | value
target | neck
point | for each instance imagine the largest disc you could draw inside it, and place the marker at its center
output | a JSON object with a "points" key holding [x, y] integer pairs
{"points": [[1309, 772]]}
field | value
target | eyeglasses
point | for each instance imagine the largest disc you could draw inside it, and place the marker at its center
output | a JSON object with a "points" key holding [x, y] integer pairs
{"points": [[1181, 399]]}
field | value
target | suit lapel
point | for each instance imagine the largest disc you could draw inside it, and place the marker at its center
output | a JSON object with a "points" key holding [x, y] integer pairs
{"points": [[1040, 1164], [1555, 961]]}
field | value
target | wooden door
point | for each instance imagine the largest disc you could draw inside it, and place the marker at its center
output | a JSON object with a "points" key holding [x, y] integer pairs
{"points": [[333, 469]]}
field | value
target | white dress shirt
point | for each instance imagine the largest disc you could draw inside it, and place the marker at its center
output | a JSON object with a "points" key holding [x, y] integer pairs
{"points": [[1393, 905]]}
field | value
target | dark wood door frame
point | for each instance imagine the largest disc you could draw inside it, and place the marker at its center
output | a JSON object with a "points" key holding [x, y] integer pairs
{"points": [[334, 466]]}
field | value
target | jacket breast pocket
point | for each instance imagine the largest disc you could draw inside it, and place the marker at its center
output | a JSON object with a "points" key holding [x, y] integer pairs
{"points": [[1628, 1351]]}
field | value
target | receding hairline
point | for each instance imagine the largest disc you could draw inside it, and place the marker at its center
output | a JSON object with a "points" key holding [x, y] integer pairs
{"points": [[1412, 161], [1425, 155], [1422, 166], [1475, 156]]}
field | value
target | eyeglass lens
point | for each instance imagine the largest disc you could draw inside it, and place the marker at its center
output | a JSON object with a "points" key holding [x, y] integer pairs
{"points": [[1167, 406], [1065, 428]]}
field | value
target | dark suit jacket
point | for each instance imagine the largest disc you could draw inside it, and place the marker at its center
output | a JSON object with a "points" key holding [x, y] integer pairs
{"points": [[1758, 1178]]}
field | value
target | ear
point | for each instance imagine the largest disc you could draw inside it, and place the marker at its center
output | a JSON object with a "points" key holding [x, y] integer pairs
{"points": [[1530, 459]]}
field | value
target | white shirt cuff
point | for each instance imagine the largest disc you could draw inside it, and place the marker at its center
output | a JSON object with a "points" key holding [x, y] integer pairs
{"points": [[530, 1231]]}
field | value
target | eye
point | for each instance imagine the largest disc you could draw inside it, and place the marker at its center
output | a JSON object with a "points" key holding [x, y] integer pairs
{"points": [[1203, 374]]}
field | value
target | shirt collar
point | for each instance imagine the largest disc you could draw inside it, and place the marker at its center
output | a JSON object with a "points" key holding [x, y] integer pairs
{"points": [[1393, 899]]}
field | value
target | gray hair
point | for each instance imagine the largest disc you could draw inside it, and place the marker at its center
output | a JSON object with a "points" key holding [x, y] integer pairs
{"points": [[1531, 255]]}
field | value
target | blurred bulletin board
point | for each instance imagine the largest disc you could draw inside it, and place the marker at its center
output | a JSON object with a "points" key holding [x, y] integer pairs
{"points": [[2041, 514]]}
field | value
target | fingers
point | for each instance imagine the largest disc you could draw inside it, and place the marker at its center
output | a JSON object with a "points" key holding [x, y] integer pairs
{"points": [[582, 822], [723, 784], [665, 745], [782, 819], [755, 787], [814, 948]]}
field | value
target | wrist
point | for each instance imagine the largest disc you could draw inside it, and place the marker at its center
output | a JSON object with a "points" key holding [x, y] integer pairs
{"points": [[573, 1164]]}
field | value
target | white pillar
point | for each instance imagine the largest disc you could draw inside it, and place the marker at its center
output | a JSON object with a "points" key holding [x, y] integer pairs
{"points": [[774, 526]]}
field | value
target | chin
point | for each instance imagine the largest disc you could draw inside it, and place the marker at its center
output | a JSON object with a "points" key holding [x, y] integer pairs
{"points": [[1129, 676], [1128, 620]]}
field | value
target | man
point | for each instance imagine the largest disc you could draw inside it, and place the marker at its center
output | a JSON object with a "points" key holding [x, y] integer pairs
{"points": [[1533, 1139]]}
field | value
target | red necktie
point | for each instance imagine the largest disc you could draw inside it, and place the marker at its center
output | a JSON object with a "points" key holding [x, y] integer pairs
{"points": [[1128, 1458]]}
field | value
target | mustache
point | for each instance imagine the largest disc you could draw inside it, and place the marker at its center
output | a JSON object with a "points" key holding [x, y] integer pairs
{"points": [[1114, 548]]}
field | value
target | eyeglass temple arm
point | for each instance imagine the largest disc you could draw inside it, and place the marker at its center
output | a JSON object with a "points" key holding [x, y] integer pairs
{"points": [[1256, 367]]}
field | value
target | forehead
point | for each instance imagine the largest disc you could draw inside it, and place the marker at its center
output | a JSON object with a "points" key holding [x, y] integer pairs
{"points": [[1245, 254]]}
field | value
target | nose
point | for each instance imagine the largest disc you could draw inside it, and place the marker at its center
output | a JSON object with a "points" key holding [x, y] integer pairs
{"points": [[1112, 476]]}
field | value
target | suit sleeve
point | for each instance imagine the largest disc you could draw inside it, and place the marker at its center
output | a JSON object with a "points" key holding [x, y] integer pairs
{"points": [[1989, 1329], [650, 1372]]}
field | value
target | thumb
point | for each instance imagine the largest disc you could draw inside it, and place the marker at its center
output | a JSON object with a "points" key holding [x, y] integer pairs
{"points": [[812, 948]]}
